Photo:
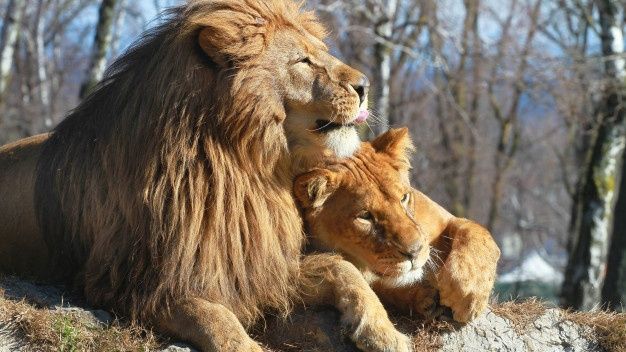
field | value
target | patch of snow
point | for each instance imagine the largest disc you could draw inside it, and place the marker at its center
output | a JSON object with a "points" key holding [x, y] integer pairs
{"points": [[533, 268]]}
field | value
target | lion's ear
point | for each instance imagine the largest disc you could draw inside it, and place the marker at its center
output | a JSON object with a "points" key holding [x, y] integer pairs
{"points": [[230, 35], [396, 143], [313, 188], [209, 40]]}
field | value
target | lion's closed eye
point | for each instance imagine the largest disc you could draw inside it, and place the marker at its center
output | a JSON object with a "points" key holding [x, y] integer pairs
{"points": [[365, 216], [305, 60]]}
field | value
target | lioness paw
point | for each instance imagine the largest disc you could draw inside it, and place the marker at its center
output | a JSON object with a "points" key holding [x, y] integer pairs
{"points": [[465, 307], [381, 336], [466, 292]]}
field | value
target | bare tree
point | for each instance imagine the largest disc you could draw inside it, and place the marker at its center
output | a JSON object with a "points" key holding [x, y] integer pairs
{"points": [[586, 266], [380, 37], [614, 289], [381, 71], [507, 118], [471, 44], [102, 43], [41, 63], [457, 106], [8, 39]]}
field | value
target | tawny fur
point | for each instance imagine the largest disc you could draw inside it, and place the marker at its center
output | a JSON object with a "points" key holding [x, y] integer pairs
{"points": [[452, 257], [136, 186], [166, 195]]}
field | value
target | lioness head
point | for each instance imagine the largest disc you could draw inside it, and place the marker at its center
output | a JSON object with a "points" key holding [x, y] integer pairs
{"points": [[288, 66], [362, 208]]}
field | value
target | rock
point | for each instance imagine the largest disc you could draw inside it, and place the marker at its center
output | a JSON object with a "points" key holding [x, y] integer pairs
{"points": [[553, 334], [317, 330], [178, 347], [313, 330], [548, 333], [8, 342], [488, 332], [40, 295]]}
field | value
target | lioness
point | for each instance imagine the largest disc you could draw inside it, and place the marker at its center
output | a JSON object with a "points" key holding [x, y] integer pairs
{"points": [[407, 246], [165, 196]]}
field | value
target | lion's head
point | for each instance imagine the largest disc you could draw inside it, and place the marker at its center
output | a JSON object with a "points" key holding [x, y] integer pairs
{"points": [[362, 207], [174, 171], [313, 92]]}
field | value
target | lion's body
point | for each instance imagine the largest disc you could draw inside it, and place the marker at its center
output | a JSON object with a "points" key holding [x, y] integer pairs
{"points": [[23, 249], [453, 257], [113, 225], [166, 194]]}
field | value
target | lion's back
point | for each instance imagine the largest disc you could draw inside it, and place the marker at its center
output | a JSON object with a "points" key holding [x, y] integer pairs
{"points": [[22, 248]]}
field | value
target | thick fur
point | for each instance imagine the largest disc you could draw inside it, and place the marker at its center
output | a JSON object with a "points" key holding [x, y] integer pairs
{"points": [[166, 195], [134, 187], [407, 246]]}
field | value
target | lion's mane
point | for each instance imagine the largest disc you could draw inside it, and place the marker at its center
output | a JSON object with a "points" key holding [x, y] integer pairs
{"points": [[171, 179]]}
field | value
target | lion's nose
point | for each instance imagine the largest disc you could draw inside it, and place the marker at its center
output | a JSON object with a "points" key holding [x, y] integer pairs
{"points": [[361, 88]]}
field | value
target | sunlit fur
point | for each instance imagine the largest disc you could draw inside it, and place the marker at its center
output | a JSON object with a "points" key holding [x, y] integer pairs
{"points": [[171, 180], [455, 259]]}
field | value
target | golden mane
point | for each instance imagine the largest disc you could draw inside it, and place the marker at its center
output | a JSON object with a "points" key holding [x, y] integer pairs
{"points": [[165, 182]]}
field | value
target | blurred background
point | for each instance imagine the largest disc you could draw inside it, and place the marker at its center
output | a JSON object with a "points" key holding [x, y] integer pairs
{"points": [[515, 107]]}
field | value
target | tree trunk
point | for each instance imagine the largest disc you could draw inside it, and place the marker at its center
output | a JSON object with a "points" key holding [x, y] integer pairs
{"points": [[41, 66], [8, 39], [117, 28], [381, 86], [509, 130], [472, 7], [102, 42], [585, 272], [614, 289]]}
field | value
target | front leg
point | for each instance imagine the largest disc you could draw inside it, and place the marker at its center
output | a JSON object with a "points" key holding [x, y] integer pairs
{"points": [[467, 276], [328, 279], [420, 298], [211, 327]]}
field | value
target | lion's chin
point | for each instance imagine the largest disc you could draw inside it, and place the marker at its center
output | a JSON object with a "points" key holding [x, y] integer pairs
{"points": [[343, 141], [405, 279]]}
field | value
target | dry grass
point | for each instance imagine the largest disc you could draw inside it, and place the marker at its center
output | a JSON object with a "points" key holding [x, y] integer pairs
{"points": [[609, 328], [50, 330], [46, 330], [521, 313], [426, 334]]}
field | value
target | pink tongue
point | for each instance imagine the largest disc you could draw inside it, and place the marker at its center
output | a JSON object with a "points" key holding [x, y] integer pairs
{"points": [[362, 116]]}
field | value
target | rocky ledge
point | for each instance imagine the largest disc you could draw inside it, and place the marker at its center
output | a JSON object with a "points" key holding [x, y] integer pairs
{"points": [[38, 317]]}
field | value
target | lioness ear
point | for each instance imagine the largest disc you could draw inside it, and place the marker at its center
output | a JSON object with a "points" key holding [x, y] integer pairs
{"points": [[313, 188], [396, 143]]}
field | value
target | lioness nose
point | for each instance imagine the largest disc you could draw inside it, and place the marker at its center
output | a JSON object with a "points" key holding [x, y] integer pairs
{"points": [[361, 88], [412, 252]]}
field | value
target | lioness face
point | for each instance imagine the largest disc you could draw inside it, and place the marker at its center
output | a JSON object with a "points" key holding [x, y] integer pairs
{"points": [[363, 208]]}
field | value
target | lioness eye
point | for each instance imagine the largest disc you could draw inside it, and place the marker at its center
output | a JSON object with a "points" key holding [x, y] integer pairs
{"points": [[366, 215], [406, 197]]}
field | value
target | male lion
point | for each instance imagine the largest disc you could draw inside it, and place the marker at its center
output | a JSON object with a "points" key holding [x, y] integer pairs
{"points": [[166, 195], [364, 208]]}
